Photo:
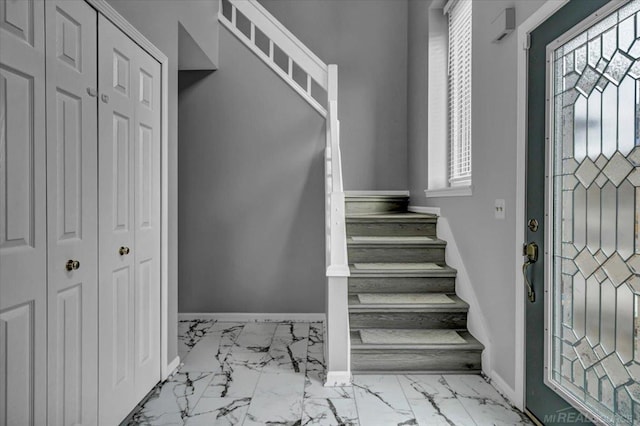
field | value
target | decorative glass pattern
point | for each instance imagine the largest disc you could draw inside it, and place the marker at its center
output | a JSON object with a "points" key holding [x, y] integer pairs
{"points": [[595, 337]]}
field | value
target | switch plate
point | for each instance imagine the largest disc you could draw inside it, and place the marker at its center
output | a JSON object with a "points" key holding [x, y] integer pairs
{"points": [[499, 210]]}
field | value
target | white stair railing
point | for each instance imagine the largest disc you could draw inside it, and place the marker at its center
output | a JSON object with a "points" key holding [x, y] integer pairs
{"points": [[253, 25], [317, 83]]}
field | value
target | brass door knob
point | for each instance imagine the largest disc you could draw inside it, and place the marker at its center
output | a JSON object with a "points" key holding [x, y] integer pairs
{"points": [[72, 265], [124, 250]]}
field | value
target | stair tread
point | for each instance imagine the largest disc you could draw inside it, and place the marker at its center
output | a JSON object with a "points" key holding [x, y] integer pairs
{"points": [[381, 196], [392, 238], [470, 342], [390, 216], [457, 304], [404, 241], [400, 269], [404, 298], [384, 240], [430, 372]]}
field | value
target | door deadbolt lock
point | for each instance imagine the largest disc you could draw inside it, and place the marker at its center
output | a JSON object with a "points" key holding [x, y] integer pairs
{"points": [[533, 225], [72, 265]]}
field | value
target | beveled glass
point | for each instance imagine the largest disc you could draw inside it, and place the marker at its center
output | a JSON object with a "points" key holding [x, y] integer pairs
{"points": [[596, 183]]}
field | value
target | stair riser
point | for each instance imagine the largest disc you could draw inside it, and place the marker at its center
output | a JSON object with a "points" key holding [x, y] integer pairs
{"points": [[422, 360], [376, 206], [391, 229], [440, 320], [395, 254], [402, 285]]}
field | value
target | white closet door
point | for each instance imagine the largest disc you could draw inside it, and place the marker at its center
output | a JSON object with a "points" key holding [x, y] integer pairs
{"points": [[23, 247], [116, 228], [72, 200], [147, 222], [129, 231]]}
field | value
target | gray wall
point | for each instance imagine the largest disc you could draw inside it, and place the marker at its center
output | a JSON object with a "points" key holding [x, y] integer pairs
{"points": [[367, 39], [158, 21], [251, 191], [251, 173], [417, 96], [487, 245]]}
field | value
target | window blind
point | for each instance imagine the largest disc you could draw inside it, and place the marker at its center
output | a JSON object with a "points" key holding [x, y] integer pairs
{"points": [[460, 92]]}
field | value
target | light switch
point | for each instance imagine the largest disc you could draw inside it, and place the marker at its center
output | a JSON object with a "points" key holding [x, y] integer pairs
{"points": [[499, 209]]}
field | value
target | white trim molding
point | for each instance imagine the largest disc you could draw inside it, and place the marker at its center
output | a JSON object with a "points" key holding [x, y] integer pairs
{"points": [[173, 367], [338, 270], [502, 387], [118, 20], [253, 317], [451, 191], [545, 11], [425, 210], [338, 378]]}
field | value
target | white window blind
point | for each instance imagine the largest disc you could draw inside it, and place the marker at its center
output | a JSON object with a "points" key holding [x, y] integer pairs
{"points": [[459, 12]]}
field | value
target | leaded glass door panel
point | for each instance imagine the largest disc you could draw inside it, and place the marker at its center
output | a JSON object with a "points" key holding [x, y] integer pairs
{"points": [[593, 199]]}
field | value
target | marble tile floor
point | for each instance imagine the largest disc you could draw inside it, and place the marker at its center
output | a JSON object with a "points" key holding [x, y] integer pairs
{"points": [[266, 373]]}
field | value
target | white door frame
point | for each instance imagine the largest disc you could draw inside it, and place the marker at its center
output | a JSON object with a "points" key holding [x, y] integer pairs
{"points": [[166, 366], [531, 23]]}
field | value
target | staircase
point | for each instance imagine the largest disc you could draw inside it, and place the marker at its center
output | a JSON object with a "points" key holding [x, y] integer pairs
{"points": [[385, 266], [404, 314]]}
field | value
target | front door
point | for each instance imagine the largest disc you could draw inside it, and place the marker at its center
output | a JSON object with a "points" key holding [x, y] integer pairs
{"points": [[583, 188]]}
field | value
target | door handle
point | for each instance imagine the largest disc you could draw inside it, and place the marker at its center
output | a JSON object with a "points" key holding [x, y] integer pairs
{"points": [[72, 265], [123, 250], [531, 252]]}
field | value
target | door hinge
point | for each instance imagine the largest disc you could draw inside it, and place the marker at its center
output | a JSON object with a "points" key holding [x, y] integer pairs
{"points": [[527, 42]]}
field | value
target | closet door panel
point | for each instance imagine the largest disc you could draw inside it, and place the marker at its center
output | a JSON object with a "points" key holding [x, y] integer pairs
{"points": [[116, 124], [72, 211], [23, 267], [147, 222]]}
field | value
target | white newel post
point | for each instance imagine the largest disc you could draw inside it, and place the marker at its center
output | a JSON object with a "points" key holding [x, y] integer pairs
{"points": [[338, 342]]}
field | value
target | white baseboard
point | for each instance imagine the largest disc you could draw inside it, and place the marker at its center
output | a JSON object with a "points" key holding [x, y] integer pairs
{"points": [[252, 317], [425, 210], [338, 378], [476, 322], [503, 388], [172, 367], [376, 193]]}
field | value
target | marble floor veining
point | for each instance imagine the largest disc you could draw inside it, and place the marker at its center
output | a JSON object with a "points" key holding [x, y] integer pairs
{"points": [[266, 373]]}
